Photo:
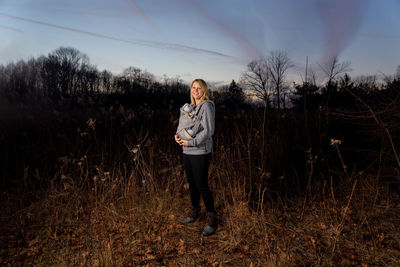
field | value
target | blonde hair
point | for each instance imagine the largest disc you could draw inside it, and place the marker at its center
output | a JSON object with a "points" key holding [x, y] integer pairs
{"points": [[203, 85]]}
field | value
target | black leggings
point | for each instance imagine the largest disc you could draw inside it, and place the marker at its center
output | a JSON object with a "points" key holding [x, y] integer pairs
{"points": [[196, 168]]}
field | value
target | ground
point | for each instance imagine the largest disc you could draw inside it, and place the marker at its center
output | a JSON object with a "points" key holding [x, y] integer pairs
{"points": [[64, 228]]}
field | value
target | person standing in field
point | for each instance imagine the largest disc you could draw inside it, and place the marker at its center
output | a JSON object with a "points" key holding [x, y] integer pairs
{"points": [[197, 144]]}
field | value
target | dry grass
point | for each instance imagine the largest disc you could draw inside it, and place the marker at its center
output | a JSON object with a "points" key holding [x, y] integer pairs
{"points": [[134, 226]]}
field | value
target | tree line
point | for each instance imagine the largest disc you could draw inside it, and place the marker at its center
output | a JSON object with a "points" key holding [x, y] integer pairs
{"points": [[68, 72]]}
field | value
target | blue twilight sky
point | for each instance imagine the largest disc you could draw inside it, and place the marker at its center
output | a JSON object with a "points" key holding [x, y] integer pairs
{"points": [[212, 39]]}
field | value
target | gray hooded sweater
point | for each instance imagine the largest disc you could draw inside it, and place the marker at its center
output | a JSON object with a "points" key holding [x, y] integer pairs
{"points": [[202, 143]]}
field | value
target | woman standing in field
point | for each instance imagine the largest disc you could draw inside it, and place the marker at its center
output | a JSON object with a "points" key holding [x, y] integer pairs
{"points": [[194, 134]]}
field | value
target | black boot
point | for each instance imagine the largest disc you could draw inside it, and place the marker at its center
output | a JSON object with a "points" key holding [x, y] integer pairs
{"points": [[194, 214], [212, 224]]}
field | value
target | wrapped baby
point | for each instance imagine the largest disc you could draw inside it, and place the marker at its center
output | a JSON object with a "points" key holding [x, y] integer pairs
{"points": [[186, 122]]}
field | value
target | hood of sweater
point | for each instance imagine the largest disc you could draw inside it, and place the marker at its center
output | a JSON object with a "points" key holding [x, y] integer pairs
{"points": [[197, 107]]}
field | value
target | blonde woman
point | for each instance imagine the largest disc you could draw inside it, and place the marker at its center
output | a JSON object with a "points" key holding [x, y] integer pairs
{"points": [[197, 152]]}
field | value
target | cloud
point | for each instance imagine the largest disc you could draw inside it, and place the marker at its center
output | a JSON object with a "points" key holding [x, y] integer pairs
{"points": [[342, 19], [380, 36], [250, 50]]}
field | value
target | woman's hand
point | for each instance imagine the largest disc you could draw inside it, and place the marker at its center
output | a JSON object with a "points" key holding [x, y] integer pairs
{"points": [[180, 141]]}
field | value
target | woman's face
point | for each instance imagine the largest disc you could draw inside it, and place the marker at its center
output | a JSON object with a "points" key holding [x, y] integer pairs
{"points": [[197, 91]]}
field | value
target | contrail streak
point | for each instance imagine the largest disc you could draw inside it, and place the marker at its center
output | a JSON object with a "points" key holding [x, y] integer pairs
{"points": [[143, 15], [10, 28], [162, 45], [342, 21], [251, 51]]}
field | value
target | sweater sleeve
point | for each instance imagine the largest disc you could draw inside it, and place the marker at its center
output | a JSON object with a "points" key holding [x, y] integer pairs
{"points": [[208, 124]]}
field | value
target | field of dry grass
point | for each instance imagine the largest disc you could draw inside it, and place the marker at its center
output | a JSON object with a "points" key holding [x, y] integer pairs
{"points": [[123, 225], [118, 191]]}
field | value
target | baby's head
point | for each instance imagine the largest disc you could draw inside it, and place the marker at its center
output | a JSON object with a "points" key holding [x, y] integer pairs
{"points": [[187, 108]]}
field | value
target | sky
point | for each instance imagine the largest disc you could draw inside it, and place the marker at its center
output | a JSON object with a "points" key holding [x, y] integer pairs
{"points": [[209, 39]]}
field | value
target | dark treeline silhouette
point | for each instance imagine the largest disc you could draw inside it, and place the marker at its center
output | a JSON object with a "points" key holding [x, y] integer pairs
{"points": [[66, 72], [279, 144]]}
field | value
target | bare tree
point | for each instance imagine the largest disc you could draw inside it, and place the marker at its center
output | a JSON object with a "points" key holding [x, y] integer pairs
{"points": [[139, 77], [311, 77], [61, 70], [367, 83], [71, 62], [88, 77], [334, 68], [257, 79], [106, 81], [279, 63]]}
